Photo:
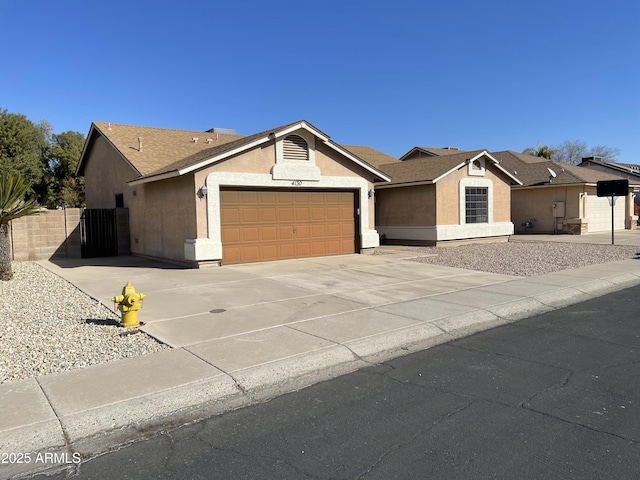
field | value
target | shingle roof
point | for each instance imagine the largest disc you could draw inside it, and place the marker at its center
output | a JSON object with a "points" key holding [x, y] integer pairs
{"points": [[429, 151], [160, 146], [371, 155], [425, 169], [532, 170], [441, 151], [164, 152]]}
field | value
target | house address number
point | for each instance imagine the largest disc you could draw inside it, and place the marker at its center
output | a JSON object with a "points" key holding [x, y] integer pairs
{"points": [[296, 183]]}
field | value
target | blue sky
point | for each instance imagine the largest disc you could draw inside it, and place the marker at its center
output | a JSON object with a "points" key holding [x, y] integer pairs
{"points": [[497, 74]]}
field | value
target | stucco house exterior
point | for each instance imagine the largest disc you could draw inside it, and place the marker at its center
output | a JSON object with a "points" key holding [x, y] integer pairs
{"points": [[434, 198], [214, 197], [558, 198], [629, 171]]}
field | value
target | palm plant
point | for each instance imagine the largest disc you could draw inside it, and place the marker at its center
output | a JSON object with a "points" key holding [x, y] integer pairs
{"points": [[13, 189]]}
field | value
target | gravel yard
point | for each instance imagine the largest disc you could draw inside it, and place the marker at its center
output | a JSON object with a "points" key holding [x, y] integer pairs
{"points": [[47, 325], [522, 259]]}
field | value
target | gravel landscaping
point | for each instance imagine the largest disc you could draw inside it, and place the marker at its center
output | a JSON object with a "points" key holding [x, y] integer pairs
{"points": [[47, 325], [522, 259]]}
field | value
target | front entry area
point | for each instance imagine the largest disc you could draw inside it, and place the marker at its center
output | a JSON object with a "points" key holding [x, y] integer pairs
{"points": [[263, 225]]}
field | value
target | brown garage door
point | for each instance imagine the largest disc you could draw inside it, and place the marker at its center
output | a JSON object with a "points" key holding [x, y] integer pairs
{"points": [[261, 225]]}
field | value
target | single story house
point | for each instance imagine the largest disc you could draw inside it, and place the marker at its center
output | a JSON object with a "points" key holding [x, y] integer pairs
{"points": [[214, 197], [443, 198], [629, 171], [554, 197]]}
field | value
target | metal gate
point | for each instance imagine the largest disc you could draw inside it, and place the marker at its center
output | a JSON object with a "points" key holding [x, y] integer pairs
{"points": [[98, 233]]}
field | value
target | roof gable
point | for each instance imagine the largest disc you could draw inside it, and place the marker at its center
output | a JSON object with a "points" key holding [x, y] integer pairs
{"points": [[158, 153], [431, 169], [420, 152]]}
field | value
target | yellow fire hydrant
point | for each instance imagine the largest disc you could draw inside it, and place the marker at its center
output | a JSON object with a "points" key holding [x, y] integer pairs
{"points": [[129, 304]]}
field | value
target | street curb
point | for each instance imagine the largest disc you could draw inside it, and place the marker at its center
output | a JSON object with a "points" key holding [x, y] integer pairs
{"points": [[99, 430]]}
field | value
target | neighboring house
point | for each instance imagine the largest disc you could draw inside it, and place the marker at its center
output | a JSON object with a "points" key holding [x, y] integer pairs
{"points": [[433, 199], [215, 197], [420, 152], [629, 171], [558, 198]]}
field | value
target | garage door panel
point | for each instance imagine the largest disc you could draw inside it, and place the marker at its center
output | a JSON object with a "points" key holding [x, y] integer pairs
{"points": [[332, 213], [268, 215], [286, 250], [269, 233], [248, 197], [285, 232], [302, 250], [270, 225], [302, 232], [347, 229], [334, 230], [249, 215], [302, 214], [269, 252], [318, 214], [285, 214], [232, 254], [268, 197], [231, 235], [284, 198], [230, 215], [318, 231], [346, 213], [320, 248], [229, 197], [250, 234]]}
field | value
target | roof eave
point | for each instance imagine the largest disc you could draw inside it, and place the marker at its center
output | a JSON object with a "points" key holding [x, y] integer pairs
{"points": [[404, 184], [256, 142], [94, 128]]}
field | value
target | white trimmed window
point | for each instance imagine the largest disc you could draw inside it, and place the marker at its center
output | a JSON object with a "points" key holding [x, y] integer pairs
{"points": [[476, 205], [475, 200]]}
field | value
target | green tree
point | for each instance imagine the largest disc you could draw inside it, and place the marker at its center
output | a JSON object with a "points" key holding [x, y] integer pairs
{"points": [[543, 151], [23, 146], [13, 204], [63, 188]]}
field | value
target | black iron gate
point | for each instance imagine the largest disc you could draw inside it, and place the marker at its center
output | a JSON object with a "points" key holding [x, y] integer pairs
{"points": [[98, 233]]}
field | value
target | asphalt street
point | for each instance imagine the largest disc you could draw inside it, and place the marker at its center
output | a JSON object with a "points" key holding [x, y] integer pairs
{"points": [[554, 396]]}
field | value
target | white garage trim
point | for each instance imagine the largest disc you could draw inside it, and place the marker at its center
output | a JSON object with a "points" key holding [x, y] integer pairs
{"points": [[210, 248]]}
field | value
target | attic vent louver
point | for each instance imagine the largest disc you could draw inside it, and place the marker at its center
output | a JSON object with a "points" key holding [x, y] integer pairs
{"points": [[295, 147]]}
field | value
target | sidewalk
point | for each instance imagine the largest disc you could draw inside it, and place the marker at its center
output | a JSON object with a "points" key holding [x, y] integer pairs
{"points": [[244, 334]]}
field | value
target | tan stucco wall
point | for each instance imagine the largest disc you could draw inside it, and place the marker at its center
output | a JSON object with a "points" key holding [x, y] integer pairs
{"points": [[406, 206], [537, 203], [448, 198], [162, 217], [448, 192], [106, 173], [262, 159]]}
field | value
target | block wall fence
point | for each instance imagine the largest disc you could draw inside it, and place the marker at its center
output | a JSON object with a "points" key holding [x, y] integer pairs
{"points": [[52, 233]]}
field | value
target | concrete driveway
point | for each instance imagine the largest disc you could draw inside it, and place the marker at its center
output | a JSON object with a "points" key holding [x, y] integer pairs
{"points": [[185, 307]]}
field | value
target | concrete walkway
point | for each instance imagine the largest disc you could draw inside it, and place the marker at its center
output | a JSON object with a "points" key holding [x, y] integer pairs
{"points": [[244, 334]]}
